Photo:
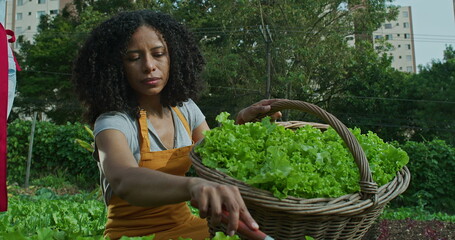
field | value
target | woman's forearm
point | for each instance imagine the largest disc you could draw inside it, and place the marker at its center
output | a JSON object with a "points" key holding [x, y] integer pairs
{"points": [[148, 188]]}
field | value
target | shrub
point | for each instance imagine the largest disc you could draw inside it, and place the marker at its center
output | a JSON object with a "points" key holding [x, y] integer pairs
{"points": [[54, 150], [432, 166]]}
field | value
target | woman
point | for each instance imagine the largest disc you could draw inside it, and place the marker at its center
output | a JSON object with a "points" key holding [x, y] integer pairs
{"points": [[136, 74]]}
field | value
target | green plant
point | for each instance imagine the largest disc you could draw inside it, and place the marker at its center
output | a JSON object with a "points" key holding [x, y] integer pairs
{"points": [[57, 180], [415, 213], [53, 150], [86, 145], [67, 215], [432, 166]]}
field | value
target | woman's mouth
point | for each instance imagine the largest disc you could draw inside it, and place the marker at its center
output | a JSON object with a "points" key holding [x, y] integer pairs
{"points": [[151, 81]]}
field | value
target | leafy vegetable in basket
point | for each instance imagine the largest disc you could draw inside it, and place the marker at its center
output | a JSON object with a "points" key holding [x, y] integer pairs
{"points": [[306, 163]]}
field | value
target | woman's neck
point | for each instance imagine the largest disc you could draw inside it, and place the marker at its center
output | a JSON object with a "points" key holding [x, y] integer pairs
{"points": [[152, 105]]}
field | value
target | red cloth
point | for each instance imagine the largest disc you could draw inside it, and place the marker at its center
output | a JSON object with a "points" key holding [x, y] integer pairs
{"points": [[3, 115]]}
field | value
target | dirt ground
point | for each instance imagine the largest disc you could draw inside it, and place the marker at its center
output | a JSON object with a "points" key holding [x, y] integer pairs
{"points": [[411, 229]]}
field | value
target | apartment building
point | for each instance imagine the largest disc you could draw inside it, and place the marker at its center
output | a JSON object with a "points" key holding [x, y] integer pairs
{"points": [[23, 16], [399, 34]]}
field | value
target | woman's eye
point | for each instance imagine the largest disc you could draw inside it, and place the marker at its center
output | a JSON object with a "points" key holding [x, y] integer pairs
{"points": [[132, 59], [158, 54]]}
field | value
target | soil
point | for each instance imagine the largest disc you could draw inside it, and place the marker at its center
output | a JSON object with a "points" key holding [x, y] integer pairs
{"points": [[411, 229]]}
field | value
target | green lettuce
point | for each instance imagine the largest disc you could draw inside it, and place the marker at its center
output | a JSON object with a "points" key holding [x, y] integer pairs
{"points": [[305, 162]]}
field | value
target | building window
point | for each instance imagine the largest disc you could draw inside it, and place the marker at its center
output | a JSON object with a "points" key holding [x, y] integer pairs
{"points": [[399, 57], [18, 16], [406, 25], [398, 24], [53, 11], [405, 14], [20, 2], [388, 37], [409, 68], [399, 45], [388, 26], [408, 58], [41, 1], [40, 13], [29, 28], [409, 46], [30, 13], [398, 35], [401, 68], [377, 36], [407, 36]]}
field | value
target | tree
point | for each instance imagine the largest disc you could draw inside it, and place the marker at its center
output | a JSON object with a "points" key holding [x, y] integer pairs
{"points": [[433, 116], [371, 96], [307, 42], [399, 106], [45, 85]]}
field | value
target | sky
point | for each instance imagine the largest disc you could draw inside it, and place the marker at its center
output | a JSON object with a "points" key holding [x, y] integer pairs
{"points": [[433, 26]]}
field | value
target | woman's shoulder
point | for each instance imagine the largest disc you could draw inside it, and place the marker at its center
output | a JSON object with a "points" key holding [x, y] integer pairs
{"points": [[192, 113], [189, 104], [114, 120], [189, 108]]}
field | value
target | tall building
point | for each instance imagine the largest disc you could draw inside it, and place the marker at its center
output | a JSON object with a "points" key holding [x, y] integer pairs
{"points": [[399, 34], [23, 16]]}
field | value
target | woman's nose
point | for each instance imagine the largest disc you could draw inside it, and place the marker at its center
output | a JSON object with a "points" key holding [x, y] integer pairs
{"points": [[149, 65]]}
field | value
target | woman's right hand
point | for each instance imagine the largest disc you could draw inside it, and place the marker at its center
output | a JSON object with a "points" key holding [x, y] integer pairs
{"points": [[212, 198]]}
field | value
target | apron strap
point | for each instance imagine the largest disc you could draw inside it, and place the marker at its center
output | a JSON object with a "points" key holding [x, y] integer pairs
{"points": [[184, 121], [144, 134]]}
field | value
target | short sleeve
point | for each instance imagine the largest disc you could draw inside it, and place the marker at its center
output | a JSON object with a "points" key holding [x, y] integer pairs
{"points": [[111, 120], [121, 122], [193, 114]]}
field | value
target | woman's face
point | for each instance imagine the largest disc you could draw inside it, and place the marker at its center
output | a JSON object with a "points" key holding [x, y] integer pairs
{"points": [[146, 62]]}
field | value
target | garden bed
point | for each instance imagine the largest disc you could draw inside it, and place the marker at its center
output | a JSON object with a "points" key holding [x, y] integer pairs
{"points": [[411, 229]]}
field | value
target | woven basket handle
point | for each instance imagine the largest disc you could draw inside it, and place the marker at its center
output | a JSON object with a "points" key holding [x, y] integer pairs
{"points": [[368, 187]]}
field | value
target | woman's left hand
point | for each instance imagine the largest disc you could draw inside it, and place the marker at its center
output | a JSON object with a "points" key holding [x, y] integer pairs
{"points": [[251, 113]]}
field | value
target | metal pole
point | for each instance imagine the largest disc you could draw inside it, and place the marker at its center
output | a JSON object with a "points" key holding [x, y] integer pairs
{"points": [[267, 90], [268, 39], [30, 150]]}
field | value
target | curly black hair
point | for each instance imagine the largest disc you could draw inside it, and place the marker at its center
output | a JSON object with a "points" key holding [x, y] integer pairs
{"points": [[98, 73]]}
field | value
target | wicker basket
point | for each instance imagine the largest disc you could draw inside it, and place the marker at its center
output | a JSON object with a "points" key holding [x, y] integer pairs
{"points": [[346, 217]]}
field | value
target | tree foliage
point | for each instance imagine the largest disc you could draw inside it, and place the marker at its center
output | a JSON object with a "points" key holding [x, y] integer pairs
{"points": [[434, 114], [432, 165], [307, 41], [44, 85], [303, 47]]}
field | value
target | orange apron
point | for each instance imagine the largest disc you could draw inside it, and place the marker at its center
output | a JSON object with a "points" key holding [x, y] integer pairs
{"points": [[168, 221]]}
